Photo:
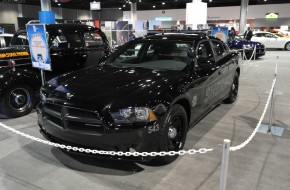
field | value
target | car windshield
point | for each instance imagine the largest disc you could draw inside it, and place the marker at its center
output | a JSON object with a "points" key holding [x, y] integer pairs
{"points": [[162, 55]]}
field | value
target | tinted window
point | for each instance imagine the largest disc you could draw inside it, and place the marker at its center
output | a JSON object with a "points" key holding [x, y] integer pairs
{"points": [[7, 40], [204, 50], [19, 39], [61, 41], [259, 35], [93, 39], [165, 55], [218, 48]]}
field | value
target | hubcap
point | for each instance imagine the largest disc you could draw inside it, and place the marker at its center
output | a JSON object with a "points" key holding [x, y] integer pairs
{"points": [[20, 99], [172, 132], [288, 46], [175, 133]]}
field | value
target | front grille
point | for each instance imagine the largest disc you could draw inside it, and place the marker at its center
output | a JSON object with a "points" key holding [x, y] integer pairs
{"points": [[73, 119]]}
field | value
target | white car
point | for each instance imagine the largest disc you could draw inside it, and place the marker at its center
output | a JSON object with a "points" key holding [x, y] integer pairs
{"points": [[271, 40]]}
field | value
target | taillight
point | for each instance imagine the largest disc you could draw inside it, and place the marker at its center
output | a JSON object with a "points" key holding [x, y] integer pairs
{"points": [[11, 64]]}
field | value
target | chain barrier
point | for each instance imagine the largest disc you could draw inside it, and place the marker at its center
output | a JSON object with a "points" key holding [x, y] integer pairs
{"points": [[254, 53], [242, 145], [108, 153]]}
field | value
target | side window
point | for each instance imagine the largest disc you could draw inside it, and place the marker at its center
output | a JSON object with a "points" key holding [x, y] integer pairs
{"points": [[218, 48], [93, 39], [258, 35], [19, 39], [267, 35], [61, 41], [204, 51]]}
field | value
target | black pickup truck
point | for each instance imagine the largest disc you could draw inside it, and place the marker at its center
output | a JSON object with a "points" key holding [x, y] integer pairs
{"points": [[72, 46]]}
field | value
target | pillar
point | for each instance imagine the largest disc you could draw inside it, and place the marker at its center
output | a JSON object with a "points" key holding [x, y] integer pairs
{"points": [[133, 13], [46, 15], [196, 13], [243, 15]]}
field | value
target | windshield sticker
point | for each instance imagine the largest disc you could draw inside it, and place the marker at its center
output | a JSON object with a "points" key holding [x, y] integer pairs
{"points": [[14, 54]]}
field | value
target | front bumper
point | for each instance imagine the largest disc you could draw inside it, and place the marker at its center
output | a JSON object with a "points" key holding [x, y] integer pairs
{"points": [[100, 136], [259, 51]]}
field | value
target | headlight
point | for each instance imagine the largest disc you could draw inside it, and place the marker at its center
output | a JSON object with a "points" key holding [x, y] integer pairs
{"points": [[42, 96], [248, 46], [130, 115]]}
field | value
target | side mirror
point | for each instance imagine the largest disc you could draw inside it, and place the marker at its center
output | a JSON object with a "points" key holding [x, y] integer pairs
{"points": [[191, 52]]}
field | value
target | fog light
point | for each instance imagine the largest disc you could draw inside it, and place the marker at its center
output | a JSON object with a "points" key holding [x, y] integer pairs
{"points": [[132, 150]]}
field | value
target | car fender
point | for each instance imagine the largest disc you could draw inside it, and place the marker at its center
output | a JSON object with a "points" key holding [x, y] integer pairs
{"points": [[11, 78]]}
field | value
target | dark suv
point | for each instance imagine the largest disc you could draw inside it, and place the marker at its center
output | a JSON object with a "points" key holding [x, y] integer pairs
{"points": [[72, 46], [144, 97]]}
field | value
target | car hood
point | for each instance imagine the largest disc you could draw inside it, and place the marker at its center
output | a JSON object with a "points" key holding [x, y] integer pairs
{"points": [[241, 43], [101, 86]]}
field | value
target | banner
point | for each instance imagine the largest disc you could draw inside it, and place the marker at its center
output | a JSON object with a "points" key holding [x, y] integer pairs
{"points": [[221, 33], [38, 46]]}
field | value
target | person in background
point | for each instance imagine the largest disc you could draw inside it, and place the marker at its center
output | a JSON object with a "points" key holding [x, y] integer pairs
{"points": [[232, 34], [248, 34]]}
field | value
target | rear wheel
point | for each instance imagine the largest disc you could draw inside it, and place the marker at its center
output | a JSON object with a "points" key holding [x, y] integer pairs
{"points": [[18, 101], [173, 133], [234, 90], [287, 46]]}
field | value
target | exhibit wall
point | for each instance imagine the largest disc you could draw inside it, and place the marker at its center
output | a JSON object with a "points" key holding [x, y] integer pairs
{"points": [[214, 13]]}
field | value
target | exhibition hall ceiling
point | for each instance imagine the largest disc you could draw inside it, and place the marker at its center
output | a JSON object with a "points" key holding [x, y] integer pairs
{"points": [[142, 4]]}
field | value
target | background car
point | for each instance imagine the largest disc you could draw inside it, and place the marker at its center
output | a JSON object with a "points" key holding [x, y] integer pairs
{"points": [[19, 84], [271, 40], [239, 43], [5, 40], [144, 97]]}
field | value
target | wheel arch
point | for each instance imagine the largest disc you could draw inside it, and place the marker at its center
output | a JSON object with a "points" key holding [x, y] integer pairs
{"points": [[186, 105]]}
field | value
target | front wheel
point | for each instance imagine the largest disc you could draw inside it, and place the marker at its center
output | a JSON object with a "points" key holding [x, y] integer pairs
{"points": [[287, 46], [234, 90], [173, 133], [18, 101]]}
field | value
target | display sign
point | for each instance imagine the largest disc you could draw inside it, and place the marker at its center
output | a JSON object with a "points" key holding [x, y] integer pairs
{"points": [[272, 15], [164, 18], [221, 33], [95, 6], [38, 46]]}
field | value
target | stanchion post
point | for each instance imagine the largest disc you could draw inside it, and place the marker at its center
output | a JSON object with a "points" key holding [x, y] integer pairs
{"points": [[42, 76], [224, 166], [255, 50], [272, 104]]}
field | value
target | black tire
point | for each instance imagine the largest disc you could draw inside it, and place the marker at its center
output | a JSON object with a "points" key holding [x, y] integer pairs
{"points": [[18, 101], [287, 46], [176, 122], [234, 90]]}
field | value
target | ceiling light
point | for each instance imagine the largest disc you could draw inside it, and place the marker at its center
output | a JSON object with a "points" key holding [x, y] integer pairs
{"points": [[163, 3], [124, 5], [130, 2], [59, 4], [120, 8], [210, 1], [154, 6]]}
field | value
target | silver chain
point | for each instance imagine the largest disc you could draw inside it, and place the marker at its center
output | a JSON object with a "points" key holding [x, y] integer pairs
{"points": [[242, 145], [109, 153]]}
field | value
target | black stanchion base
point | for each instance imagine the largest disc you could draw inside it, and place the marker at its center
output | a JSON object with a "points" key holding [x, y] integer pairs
{"points": [[277, 131]]}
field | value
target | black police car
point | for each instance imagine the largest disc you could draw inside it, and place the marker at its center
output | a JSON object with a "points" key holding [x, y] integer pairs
{"points": [[71, 47], [144, 97]]}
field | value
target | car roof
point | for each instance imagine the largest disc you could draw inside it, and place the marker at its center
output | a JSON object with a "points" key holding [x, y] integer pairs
{"points": [[60, 28], [179, 36]]}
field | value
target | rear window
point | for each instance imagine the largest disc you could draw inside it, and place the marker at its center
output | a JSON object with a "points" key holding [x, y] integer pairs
{"points": [[65, 41], [19, 39]]}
